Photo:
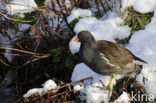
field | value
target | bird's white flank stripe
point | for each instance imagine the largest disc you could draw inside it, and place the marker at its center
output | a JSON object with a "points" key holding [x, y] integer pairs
{"points": [[107, 61]]}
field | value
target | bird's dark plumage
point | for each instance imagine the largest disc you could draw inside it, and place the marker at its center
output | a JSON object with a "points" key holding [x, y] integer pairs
{"points": [[106, 57]]}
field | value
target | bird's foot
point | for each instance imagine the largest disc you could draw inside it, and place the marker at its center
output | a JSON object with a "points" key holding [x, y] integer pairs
{"points": [[109, 86]]}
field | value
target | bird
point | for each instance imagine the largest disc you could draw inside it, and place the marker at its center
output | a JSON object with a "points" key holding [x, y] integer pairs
{"points": [[107, 58]]}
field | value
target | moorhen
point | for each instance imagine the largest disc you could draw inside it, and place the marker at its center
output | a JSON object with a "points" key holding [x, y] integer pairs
{"points": [[107, 58]]}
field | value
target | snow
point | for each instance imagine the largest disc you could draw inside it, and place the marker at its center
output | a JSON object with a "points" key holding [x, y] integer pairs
{"points": [[123, 98], [90, 91], [2, 6], [78, 13], [33, 91], [78, 87], [81, 71], [142, 6], [16, 7], [23, 27], [4, 42], [48, 85], [94, 97], [121, 32], [127, 3], [143, 44]]}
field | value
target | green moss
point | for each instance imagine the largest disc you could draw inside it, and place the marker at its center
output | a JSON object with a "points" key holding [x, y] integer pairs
{"points": [[72, 24], [122, 41], [135, 20], [27, 17]]}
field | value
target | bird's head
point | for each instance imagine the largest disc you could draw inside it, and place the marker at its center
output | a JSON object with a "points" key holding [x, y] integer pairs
{"points": [[84, 36]]}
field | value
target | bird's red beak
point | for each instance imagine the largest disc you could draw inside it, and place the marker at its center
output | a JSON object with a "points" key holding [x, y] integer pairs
{"points": [[76, 40]]}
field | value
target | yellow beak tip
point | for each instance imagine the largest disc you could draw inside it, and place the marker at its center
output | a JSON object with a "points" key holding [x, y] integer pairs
{"points": [[74, 42]]}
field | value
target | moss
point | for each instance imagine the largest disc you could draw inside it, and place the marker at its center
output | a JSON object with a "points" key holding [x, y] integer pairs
{"points": [[135, 20], [27, 17], [72, 24], [122, 41]]}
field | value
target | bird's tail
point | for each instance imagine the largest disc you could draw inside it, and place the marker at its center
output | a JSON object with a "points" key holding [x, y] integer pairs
{"points": [[139, 61]]}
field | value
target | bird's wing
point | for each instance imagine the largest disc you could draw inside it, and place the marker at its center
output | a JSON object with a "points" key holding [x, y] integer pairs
{"points": [[116, 54]]}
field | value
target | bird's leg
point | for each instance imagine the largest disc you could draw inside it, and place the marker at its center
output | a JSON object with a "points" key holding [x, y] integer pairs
{"points": [[109, 86]]}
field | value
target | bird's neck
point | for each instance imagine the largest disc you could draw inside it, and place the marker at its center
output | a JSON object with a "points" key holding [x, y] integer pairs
{"points": [[88, 50], [89, 45]]}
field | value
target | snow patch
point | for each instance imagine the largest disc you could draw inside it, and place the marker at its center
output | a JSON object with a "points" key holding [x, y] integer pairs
{"points": [[123, 98], [90, 91], [16, 7], [78, 13], [48, 85], [142, 6], [121, 32]]}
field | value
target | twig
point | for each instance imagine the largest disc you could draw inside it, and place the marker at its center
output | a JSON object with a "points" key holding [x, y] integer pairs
{"points": [[25, 21], [74, 82], [12, 54], [102, 4], [97, 4], [57, 34], [62, 93], [108, 5], [3, 62], [22, 51], [64, 16]]}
